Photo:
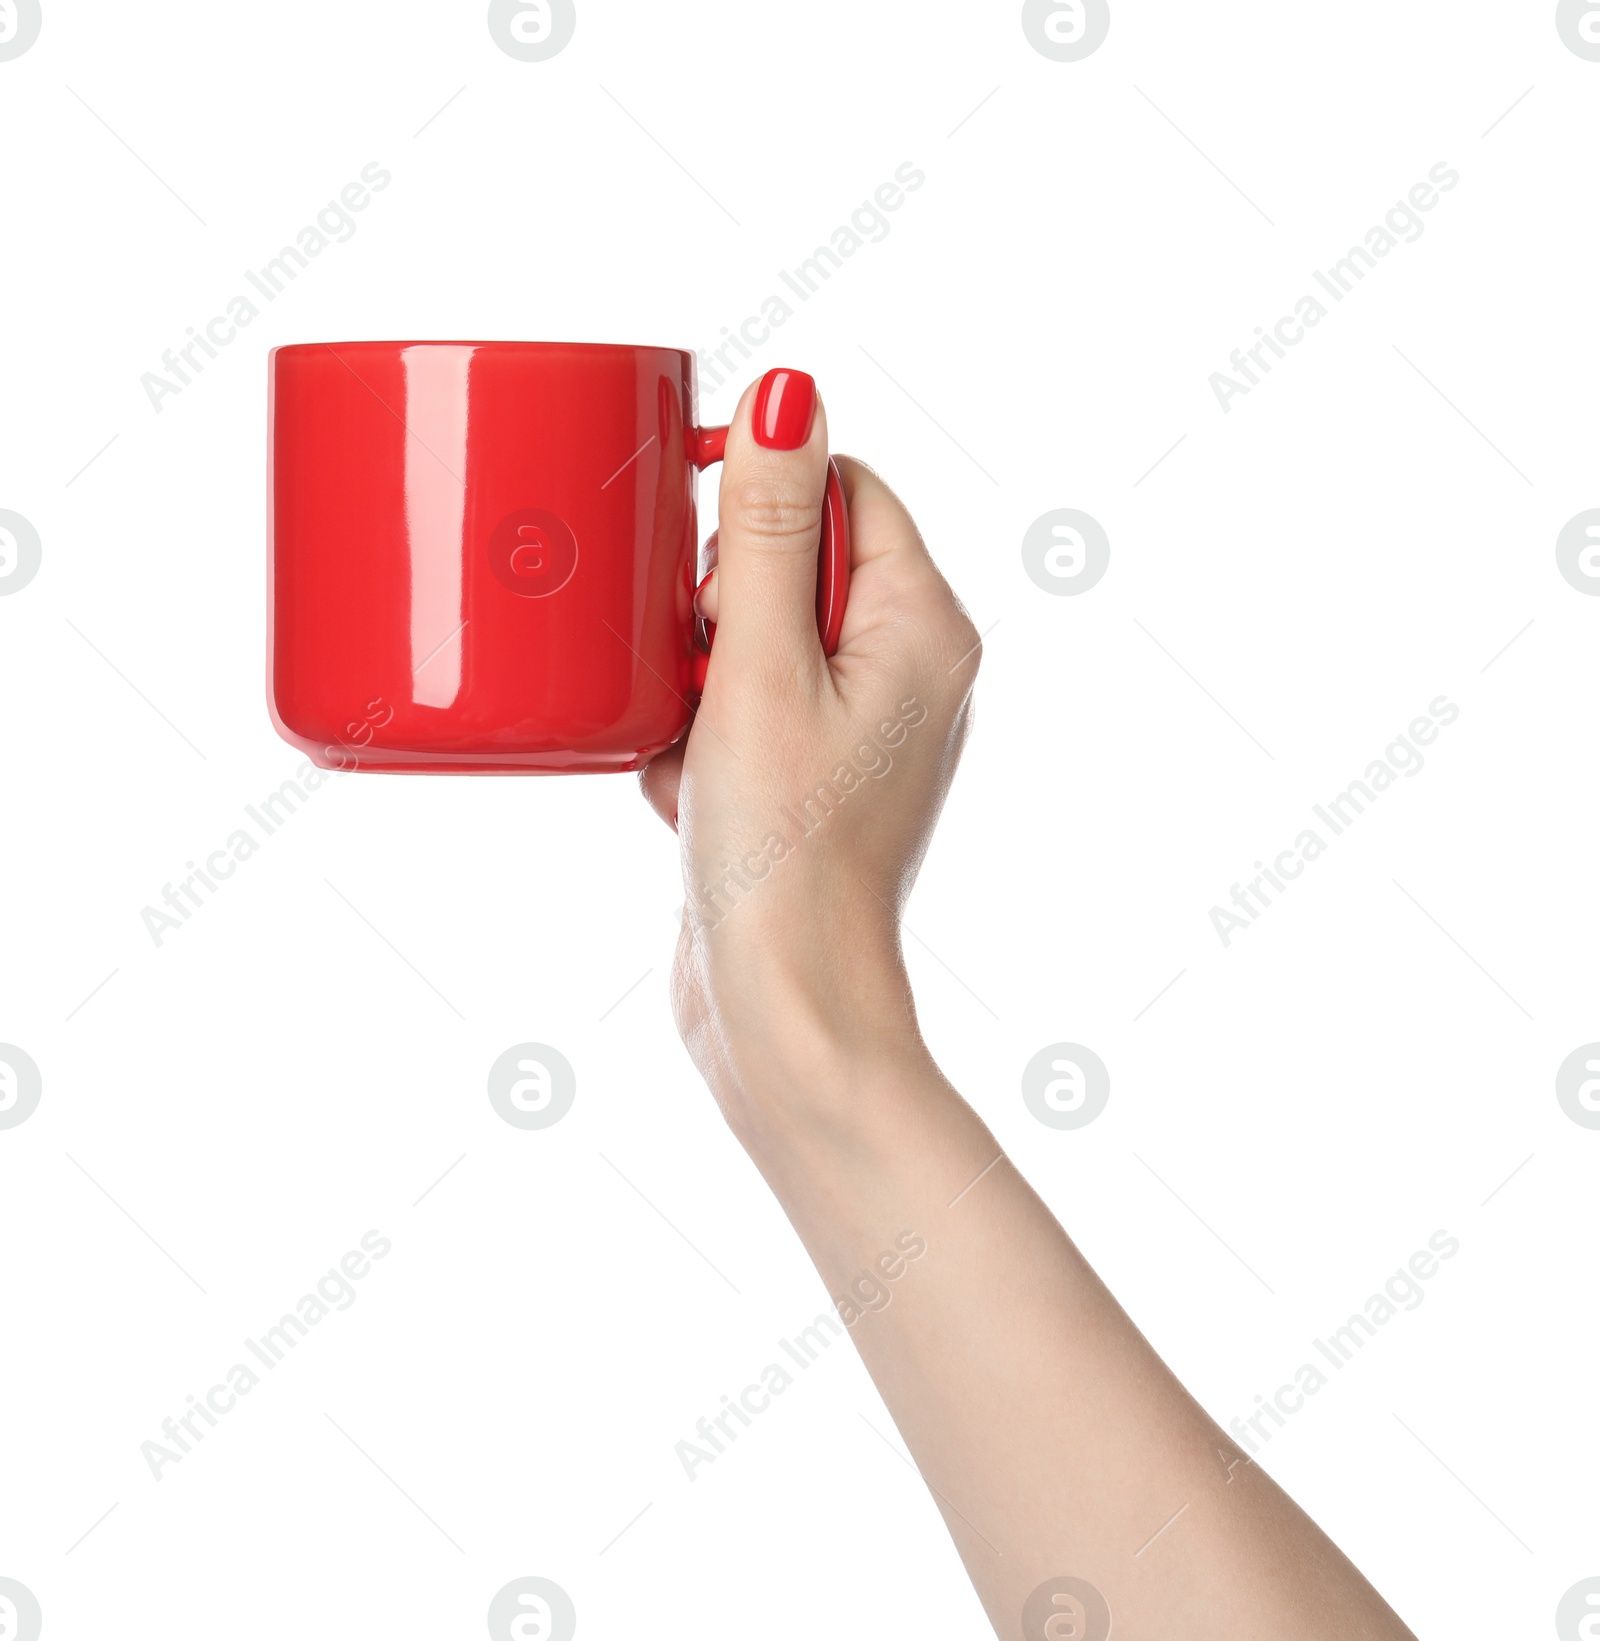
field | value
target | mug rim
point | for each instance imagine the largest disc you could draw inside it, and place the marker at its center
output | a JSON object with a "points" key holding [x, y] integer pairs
{"points": [[500, 346]]}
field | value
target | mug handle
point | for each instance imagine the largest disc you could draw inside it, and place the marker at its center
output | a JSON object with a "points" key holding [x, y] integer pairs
{"points": [[833, 551]]}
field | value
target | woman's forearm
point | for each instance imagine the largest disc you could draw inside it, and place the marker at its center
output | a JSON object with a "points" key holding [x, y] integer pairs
{"points": [[1053, 1438]]}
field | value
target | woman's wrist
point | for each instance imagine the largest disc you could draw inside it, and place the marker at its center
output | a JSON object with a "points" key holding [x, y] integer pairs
{"points": [[849, 1119], [797, 1042]]}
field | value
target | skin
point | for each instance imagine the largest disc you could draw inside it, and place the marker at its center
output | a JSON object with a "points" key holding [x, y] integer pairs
{"points": [[1053, 1438]]}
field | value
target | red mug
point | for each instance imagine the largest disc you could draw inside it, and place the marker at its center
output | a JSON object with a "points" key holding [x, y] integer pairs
{"points": [[483, 554]]}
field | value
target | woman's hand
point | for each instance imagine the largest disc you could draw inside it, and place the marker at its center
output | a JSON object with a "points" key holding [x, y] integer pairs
{"points": [[808, 788], [1053, 1438]]}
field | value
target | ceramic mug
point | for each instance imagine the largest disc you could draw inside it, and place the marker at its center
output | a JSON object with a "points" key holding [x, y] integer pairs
{"points": [[483, 554]]}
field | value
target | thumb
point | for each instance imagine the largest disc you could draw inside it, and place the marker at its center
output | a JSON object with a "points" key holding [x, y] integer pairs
{"points": [[769, 520]]}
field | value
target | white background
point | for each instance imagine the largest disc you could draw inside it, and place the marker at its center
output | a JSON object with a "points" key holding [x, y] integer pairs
{"points": [[1036, 330]]}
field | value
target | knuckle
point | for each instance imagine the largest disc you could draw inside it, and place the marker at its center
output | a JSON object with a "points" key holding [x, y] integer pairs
{"points": [[958, 630], [777, 515], [969, 644], [952, 662], [954, 643], [960, 633]]}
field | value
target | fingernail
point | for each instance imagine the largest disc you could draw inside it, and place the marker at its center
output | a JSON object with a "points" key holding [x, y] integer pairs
{"points": [[785, 403]]}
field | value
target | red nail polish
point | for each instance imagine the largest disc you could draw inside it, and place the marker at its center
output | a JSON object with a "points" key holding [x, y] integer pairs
{"points": [[785, 404]]}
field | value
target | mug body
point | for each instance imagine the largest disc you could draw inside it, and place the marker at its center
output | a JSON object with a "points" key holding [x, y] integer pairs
{"points": [[482, 554]]}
